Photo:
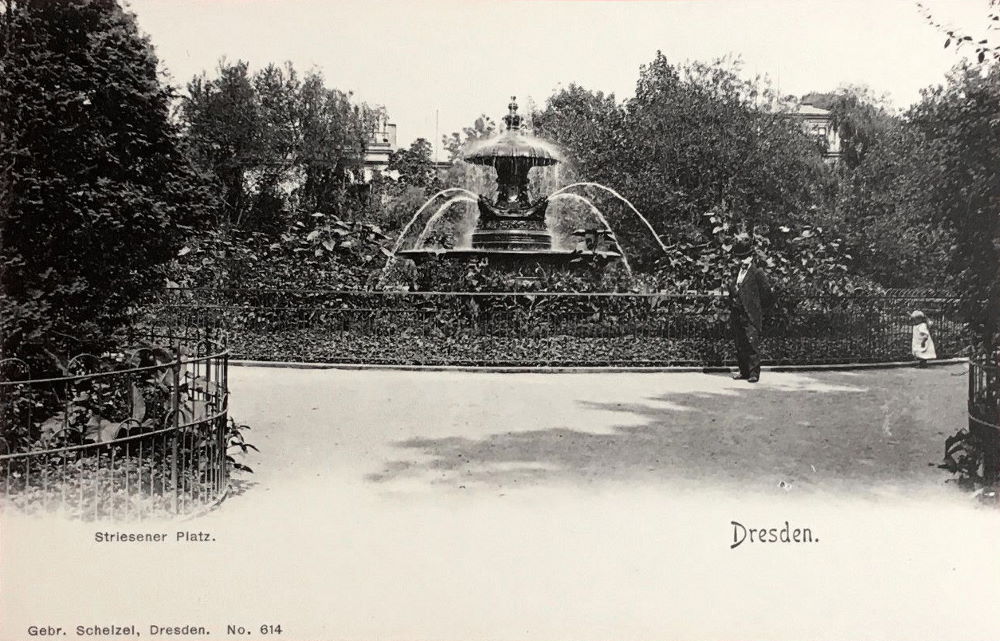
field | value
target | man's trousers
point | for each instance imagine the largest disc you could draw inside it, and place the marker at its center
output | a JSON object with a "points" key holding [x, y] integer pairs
{"points": [[747, 338]]}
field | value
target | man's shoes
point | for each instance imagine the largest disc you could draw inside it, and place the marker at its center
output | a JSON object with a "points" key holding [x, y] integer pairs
{"points": [[739, 377], [753, 379]]}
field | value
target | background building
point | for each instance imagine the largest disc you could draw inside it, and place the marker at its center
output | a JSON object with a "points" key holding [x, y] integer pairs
{"points": [[381, 143], [818, 122]]}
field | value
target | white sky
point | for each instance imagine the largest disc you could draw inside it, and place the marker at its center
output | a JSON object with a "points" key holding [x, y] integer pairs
{"points": [[462, 58]]}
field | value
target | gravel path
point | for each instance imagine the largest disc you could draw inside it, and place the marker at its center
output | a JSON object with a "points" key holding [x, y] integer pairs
{"points": [[442, 505], [866, 431]]}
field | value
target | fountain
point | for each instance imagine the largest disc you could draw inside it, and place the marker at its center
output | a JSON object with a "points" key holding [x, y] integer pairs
{"points": [[512, 230]]}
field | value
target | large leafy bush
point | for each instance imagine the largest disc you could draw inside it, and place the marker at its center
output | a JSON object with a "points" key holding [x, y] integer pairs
{"points": [[97, 196]]}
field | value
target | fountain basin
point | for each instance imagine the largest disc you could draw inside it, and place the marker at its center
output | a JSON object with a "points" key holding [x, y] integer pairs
{"points": [[512, 240], [510, 257]]}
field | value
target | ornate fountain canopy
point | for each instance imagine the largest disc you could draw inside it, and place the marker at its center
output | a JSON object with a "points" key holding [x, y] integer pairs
{"points": [[513, 143]]}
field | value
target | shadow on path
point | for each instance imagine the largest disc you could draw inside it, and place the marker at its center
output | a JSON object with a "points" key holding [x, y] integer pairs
{"points": [[790, 430]]}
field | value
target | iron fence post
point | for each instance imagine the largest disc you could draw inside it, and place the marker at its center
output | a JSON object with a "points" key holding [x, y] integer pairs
{"points": [[972, 388], [176, 407], [222, 470]]}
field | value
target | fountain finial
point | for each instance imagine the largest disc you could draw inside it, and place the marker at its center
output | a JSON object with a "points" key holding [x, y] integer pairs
{"points": [[512, 120]]}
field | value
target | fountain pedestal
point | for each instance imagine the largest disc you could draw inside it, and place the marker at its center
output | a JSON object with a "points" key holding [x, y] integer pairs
{"points": [[513, 228]]}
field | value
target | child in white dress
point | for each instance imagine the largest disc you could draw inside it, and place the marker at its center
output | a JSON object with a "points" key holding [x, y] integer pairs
{"points": [[923, 344]]}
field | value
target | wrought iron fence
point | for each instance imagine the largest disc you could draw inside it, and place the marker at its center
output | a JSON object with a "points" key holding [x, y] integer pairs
{"points": [[536, 329], [129, 435], [984, 410]]}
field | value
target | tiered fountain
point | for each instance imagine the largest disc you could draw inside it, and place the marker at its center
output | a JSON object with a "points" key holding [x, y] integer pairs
{"points": [[513, 231]]}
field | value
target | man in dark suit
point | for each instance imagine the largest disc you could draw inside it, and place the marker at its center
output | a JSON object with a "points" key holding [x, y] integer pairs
{"points": [[749, 296]]}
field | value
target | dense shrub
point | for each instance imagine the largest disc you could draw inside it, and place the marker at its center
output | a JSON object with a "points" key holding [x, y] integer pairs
{"points": [[325, 252], [97, 196], [544, 329]]}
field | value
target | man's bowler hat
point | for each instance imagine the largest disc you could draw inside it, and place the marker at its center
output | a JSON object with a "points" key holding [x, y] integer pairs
{"points": [[742, 246]]}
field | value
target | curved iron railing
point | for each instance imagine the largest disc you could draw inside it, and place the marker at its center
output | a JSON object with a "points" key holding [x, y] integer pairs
{"points": [[133, 435], [984, 410], [563, 329]]}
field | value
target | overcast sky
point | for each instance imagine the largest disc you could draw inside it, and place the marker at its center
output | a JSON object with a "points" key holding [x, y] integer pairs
{"points": [[437, 64]]}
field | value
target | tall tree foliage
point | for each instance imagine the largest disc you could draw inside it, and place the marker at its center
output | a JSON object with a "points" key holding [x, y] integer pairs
{"points": [[96, 194], [984, 47], [575, 117], [894, 236], [280, 146], [891, 235], [695, 138], [414, 164], [456, 142], [286, 155], [859, 117], [959, 123]]}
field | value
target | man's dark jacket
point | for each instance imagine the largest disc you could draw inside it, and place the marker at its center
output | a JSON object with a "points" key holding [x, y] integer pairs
{"points": [[754, 295]]}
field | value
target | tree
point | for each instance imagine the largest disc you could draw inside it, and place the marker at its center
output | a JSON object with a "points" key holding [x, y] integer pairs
{"points": [[335, 130], [984, 49], [280, 147], [958, 122], [457, 142], [891, 236], [286, 152], [859, 117], [221, 125], [97, 194], [719, 139], [695, 138], [414, 165], [573, 117]]}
